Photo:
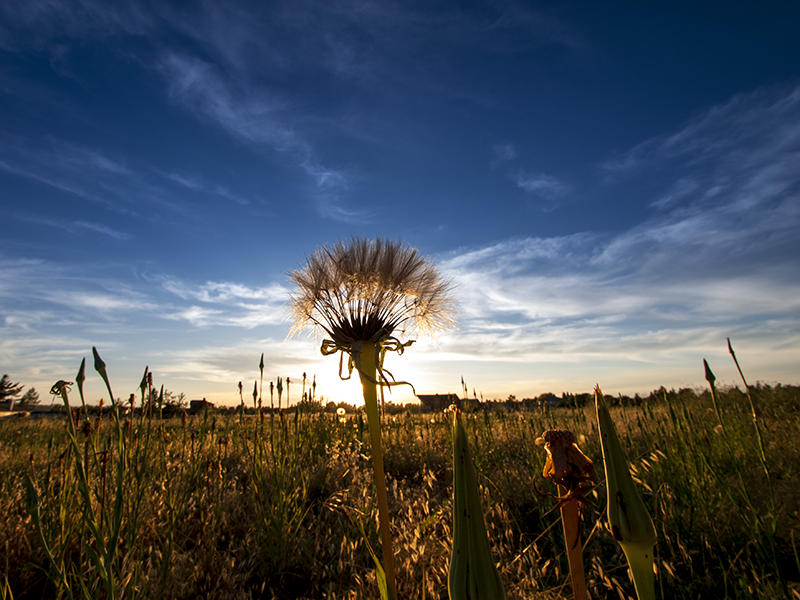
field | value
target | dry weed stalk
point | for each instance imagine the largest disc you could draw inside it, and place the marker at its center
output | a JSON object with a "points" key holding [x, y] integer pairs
{"points": [[574, 474]]}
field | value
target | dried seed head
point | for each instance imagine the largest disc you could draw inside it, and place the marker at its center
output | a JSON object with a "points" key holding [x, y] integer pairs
{"points": [[366, 289], [61, 386], [560, 436], [565, 463]]}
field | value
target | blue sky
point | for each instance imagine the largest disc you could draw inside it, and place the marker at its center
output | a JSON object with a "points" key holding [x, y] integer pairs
{"points": [[614, 189]]}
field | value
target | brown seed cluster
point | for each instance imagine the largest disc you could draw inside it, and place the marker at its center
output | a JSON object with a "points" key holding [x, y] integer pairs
{"points": [[566, 465]]}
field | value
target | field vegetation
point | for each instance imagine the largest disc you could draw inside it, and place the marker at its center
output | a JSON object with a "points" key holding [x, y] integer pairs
{"points": [[266, 505]]}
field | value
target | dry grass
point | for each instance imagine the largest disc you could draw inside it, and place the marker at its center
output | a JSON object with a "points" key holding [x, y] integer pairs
{"points": [[278, 516]]}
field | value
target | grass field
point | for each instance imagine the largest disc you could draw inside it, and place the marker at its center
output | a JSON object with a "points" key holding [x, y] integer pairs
{"points": [[224, 507]]}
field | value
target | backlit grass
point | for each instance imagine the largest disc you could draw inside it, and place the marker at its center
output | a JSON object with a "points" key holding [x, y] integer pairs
{"points": [[220, 508]]}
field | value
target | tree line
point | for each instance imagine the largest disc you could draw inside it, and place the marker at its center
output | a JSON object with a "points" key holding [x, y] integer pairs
{"points": [[11, 391]]}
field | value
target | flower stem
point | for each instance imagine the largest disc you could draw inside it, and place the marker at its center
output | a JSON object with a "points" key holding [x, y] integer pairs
{"points": [[570, 518], [368, 373]]}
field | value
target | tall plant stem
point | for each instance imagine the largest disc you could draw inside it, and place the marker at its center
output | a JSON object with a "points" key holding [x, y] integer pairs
{"points": [[368, 374], [572, 538], [761, 446]]}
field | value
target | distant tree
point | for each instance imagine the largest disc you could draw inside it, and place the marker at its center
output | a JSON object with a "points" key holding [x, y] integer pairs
{"points": [[171, 403], [29, 399], [9, 390], [310, 404], [174, 403]]}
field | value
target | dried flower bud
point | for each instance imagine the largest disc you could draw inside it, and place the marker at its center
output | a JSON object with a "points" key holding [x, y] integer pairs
{"points": [[566, 465]]}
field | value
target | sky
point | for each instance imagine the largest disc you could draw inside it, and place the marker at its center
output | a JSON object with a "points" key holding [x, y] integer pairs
{"points": [[612, 188]]}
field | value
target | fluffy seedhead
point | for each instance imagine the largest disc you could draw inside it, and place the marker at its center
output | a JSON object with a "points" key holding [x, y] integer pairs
{"points": [[364, 290]]}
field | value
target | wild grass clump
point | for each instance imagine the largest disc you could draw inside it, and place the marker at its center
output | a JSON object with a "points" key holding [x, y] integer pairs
{"points": [[220, 507]]}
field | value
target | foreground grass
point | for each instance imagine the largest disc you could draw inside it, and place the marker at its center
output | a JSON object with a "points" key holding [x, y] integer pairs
{"points": [[225, 508]]}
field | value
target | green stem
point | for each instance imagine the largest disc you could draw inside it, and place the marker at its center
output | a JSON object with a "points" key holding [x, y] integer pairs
{"points": [[368, 373]]}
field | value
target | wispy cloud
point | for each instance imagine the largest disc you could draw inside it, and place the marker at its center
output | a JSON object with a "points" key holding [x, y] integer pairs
{"points": [[541, 185], [228, 304], [734, 206], [119, 235], [238, 69], [223, 293], [62, 165], [502, 153], [74, 227], [742, 132], [70, 306], [234, 97], [523, 309], [546, 192], [35, 293], [26, 24], [716, 258], [198, 184], [258, 116], [91, 173], [101, 304], [251, 115]]}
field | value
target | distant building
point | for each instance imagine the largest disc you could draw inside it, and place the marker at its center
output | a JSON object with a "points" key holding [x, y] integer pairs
{"points": [[436, 402], [197, 406], [439, 402], [470, 404], [552, 401]]}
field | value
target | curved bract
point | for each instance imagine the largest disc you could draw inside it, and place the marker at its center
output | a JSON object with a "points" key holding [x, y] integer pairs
{"points": [[630, 522], [472, 574]]}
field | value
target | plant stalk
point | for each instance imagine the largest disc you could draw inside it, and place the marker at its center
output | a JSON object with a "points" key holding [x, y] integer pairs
{"points": [[570, 519], [368, 374]]}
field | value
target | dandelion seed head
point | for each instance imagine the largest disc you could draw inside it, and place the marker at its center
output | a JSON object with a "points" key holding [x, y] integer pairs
{"points": [[363, 290]]}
